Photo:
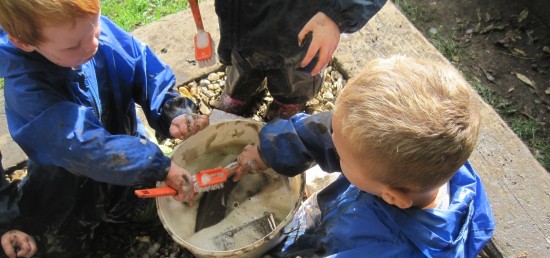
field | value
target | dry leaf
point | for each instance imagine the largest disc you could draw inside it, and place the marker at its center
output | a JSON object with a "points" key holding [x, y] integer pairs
{"points": [[488, 75], [511, 89], [523, 15], [518, 52], [492, 27], [524, 79], [547, 91]]}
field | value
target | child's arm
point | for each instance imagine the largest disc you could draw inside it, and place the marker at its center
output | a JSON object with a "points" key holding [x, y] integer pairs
{"points": [[18, 244], [335, 17], [292, 146], [325, 39], [181, 180], [183, 126], [249, 162]]}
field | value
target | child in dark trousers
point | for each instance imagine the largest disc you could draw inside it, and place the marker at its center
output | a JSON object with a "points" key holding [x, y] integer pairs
{"points": [[15, 242], [401, 135], [72, 82], [287, 43]]}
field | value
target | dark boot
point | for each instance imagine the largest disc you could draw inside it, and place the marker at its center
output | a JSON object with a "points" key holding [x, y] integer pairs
{"points": [[232, 105], [285, 111]]}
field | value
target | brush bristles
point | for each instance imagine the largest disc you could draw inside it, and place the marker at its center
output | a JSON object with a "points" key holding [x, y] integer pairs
{"points": [[200, 189], [207, 62], [212, 60]]}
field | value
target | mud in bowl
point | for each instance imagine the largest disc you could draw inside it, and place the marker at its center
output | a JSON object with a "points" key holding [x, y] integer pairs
{"points": [[252, 212]]}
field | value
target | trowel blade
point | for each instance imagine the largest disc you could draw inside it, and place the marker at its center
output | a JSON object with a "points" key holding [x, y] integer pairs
{"points": [[212, 207]]}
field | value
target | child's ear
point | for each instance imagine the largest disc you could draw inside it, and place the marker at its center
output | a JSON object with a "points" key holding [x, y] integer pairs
{"points": [[396, 197], [21, 44]]}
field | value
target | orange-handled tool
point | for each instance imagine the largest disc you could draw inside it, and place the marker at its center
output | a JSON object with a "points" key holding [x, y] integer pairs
{"points": [[156, 192], [204, 45], [203, 181]]}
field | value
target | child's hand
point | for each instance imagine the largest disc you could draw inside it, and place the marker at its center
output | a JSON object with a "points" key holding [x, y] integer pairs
{"points": [[326, 37], [181, 180], [18, 244], [183, 126], [249, 162]]}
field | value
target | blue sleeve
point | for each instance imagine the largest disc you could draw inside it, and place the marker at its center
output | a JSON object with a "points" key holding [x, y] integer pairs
{"points": [[292, 146], [351, 15], [153, 81], [70, 136]]}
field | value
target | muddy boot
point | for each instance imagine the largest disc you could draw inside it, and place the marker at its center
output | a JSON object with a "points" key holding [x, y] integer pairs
{"points": [[232, 105], [285, 111]]}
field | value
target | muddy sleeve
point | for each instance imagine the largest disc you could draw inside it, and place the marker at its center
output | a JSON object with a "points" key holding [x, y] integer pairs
{"points": [[351, 15], [157, 95], [292, 146]]}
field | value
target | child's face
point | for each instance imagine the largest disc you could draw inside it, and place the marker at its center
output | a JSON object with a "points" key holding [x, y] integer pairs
{"points": [[356, 169], [70, 46]]}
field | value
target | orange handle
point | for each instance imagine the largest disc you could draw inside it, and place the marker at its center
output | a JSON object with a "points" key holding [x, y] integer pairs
{"points": [[212, 176], [196, 14], [156, 192]]}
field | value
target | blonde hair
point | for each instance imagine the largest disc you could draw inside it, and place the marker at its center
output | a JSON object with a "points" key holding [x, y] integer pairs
{"points": [[25, 19], [419, 119]]}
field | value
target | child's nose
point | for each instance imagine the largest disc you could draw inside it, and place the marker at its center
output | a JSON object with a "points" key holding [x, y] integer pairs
{"points": [[92, 44]]}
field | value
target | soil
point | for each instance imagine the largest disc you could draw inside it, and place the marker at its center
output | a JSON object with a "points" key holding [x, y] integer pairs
{"points": [[501, 47]]}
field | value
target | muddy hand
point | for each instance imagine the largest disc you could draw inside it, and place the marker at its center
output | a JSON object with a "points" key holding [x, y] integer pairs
{"points": [[18, 244], [183, 126], [326, 36], [249, 162], [182, 181]]}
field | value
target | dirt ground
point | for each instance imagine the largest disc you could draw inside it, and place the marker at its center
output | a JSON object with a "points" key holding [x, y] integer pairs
{"points": [[503, 49]]}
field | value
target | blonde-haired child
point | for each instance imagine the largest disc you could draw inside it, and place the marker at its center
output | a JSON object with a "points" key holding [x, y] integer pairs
{"points": [[401, 134]]}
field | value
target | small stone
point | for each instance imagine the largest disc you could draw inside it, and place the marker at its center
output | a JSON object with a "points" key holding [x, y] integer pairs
{"points": [[204, 83], [313, 102], [213, 77], [145, 239], [328, 96], [205, 110]]}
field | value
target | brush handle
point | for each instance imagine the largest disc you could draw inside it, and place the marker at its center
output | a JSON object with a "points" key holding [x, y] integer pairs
{"points": [[196, 14], [156, 192]]}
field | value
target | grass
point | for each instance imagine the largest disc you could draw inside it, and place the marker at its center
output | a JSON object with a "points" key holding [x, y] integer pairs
{"points": [[531, 132], [131, 14]]}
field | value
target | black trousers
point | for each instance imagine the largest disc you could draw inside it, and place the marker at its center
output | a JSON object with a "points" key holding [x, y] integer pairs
{"points": [[288, 85], [64, 208]]}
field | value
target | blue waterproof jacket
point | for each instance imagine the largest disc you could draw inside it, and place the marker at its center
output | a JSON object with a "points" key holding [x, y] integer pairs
{"points": [[85, 120], [343, 221]]}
